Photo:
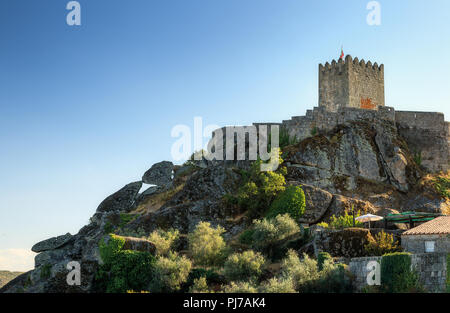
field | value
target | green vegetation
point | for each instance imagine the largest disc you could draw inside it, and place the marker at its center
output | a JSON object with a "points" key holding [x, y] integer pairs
{"points": [[381, 244], [342, 221], [396, 274], [46, 271], [247, 265], [307, 277], [163, 240], [322, 258], [206, 245], [442, 186], [291, 201], [266, 233], [170, 273], [285, 139], [240, 287], [200, 285], [418, 158], [122, 270], [277, 285], [258, 189]]}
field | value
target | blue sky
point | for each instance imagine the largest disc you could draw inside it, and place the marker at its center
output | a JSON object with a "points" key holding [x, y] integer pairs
{"points": [[87, 109]]}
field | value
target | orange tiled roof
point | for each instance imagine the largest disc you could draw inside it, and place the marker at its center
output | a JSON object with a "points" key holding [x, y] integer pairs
{"points": [[440, 225]]}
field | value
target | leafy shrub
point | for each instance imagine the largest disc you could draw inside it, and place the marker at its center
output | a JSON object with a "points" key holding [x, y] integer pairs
{"points": [[277, 285], [442, 186], [267, 232], [212, 278], [206, 244], [163, 240], [244, 266], [240, 287], [170, 272], [46, 271], [258, 189], [323, 224], [285, 139], [299, 271], [122, 270], [396, 273], [321, 258], [307, 278], [199, 286], [246, 237], [291, 201], [381, 244], [344, 221], [333, 278]]}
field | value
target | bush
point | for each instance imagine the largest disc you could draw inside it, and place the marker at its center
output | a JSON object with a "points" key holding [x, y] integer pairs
{"points": [[396, 273], [163, 240], [244, 266], [258, 189], [299, 271], [246, 237], [344, 221], [199, 286], [323, 224], [321, 258], [206, 244], [442, 186], [170, 272], [333, 278], [381, 244], [240, 287], [290, 201], [278, 285], [267, 232], [122, 270]]}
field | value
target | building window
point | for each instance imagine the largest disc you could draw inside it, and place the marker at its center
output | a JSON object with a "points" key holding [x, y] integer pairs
{"points": [[429, 246]]}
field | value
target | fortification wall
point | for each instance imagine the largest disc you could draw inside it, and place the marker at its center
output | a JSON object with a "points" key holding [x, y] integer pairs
{"points": [[427, 135]]}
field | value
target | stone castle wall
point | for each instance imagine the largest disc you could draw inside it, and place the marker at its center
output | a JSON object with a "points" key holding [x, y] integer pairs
{"points": [[427, 135], [351, 83], [431, 267]]}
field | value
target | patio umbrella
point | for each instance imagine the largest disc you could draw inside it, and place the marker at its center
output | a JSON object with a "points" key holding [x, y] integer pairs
{"points": [[368, 218]]}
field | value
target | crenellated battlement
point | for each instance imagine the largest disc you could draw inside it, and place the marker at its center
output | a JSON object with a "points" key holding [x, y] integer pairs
{"points": [[351, 83]]}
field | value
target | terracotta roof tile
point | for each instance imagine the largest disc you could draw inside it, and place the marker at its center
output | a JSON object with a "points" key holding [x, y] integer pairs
{"points": [[440, 225]]}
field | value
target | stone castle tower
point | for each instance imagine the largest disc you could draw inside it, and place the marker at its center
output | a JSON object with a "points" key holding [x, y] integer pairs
{"points": [[351, 83]]}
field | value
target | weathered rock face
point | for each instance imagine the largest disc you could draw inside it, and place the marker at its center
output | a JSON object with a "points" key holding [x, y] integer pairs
{"points": [[159, 174], [362, 165], [121, 200], [52, 243], [335, 160]]}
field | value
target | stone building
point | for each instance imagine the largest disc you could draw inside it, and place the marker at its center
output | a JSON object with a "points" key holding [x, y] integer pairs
{"points": [[432, 236]]}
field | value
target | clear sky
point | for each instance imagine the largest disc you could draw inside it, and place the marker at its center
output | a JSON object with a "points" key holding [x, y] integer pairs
{"points": [[87, 109]]}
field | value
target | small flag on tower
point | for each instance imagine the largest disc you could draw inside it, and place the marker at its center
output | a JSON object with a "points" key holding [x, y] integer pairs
{"points": [[342, 54]]}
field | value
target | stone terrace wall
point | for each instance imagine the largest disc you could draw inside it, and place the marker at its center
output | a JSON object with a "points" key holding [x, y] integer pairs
{"points": [[431, 267]]}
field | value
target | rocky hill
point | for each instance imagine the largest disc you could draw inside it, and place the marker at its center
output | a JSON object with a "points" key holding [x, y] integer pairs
{"points": [[357, 163], [6, 276]]}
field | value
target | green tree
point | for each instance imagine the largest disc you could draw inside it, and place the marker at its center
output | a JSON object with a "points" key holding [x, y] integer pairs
{"points": [[290, 201], [247, 265], [206, 244]]}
